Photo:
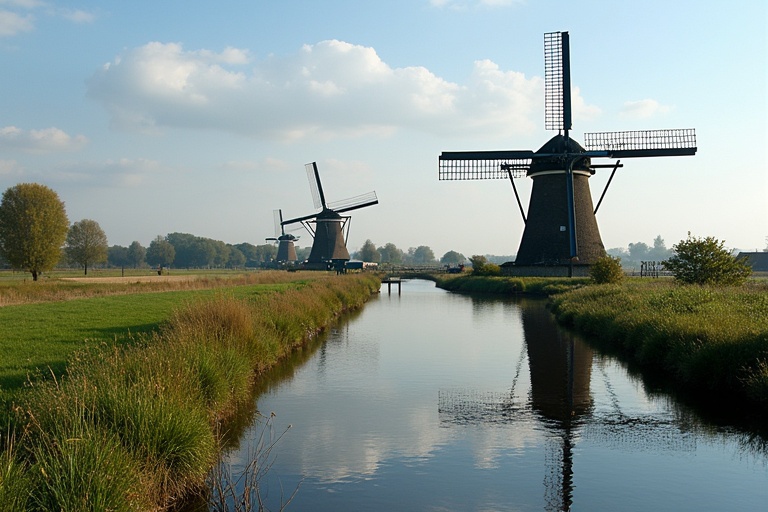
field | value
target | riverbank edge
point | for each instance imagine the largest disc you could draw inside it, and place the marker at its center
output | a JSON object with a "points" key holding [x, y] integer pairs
{"points": [[138, 427], [731, 374]]}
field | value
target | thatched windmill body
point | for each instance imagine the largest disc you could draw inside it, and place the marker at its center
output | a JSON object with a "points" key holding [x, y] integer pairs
{"points": [[286, 247], [561, 227], [327, 226]]}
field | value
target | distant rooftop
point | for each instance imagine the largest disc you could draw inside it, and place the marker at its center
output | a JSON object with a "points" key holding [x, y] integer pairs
{"points": [[757, 260]]}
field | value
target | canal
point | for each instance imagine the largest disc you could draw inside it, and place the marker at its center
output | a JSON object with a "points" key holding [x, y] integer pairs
{"points": [[433, 401]]}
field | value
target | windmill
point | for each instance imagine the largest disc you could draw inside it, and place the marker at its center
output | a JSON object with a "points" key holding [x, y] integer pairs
{"points": [[561, 227], [286, 250], [327, 226]]}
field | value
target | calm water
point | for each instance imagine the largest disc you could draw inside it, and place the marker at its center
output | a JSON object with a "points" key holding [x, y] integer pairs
{"points": [[431, 401]]}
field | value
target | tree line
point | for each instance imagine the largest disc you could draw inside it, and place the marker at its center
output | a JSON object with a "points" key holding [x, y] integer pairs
{"points": [[35, 236]]}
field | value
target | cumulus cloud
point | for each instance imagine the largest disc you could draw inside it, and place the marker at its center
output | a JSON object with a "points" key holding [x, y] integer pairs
{"points": [[643, 109], [329, 89], [12, 23], [39, 141], [16, 16]]}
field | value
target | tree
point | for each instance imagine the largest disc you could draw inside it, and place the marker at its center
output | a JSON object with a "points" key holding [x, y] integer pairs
{"points": [[267, 252], [86, 244], [236, 258], [606, 270], [452, 258], [33, 225], [136, 254], [659, 252], [368, 252], [422, 255], [391, 254], [160, 252], [117, 256], [249, 251], [639, 251], [706, 261], [221, 253]]}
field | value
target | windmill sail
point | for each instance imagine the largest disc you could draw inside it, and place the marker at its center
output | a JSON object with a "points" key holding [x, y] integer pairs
{"points": [[557, 81], [631, 144]]}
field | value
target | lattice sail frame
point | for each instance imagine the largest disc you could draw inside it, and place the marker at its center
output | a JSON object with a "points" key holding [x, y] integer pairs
{"points": [[641, 141], [482, 169], [557, 81], [352, 203]]}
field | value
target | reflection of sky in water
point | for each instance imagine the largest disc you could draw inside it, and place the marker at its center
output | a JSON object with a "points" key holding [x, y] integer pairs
{"points": [[423, 402]]}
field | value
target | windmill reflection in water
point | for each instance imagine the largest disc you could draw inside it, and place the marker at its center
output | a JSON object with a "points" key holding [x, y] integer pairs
{"points": [[560, 401]]}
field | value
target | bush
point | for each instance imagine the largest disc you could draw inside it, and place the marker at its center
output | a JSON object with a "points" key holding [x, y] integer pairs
{"points": [[481, 267], [606, 270], [706, 261]]}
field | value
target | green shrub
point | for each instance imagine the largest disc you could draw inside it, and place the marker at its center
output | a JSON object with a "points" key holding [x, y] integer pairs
{"points": [[706, 261], [606, 270]]}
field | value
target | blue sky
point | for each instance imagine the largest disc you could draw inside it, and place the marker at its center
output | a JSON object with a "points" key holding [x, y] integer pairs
{"points": [[198, 117]]}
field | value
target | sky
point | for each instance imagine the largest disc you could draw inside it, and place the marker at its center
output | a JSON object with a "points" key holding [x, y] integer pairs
{"points": [[198, 117]]}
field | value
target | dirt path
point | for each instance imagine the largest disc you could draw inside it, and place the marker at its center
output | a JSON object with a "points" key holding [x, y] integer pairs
{"points": [[130, 279]]}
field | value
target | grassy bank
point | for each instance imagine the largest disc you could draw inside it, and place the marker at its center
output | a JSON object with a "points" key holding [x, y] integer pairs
{"points": [[709, 342], [43, 323], [507, 285], [135, 426], [713, 341]]}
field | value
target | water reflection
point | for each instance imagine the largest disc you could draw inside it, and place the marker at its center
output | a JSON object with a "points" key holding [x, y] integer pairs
{"points": [[559, 367], [527, 418]]}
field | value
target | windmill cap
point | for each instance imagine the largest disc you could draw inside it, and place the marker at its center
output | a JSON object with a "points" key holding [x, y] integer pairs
{"points": [[559, 145], [328, 214]]}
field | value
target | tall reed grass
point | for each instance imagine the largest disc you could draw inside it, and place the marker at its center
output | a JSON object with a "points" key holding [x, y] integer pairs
{"points": [[711, 340], [137, 427]]}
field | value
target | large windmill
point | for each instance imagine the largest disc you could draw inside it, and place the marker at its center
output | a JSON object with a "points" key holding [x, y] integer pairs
{"points": [[286, 247], [561, 228], [328, 227]]}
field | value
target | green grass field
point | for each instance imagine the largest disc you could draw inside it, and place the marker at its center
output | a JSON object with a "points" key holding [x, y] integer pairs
{"points": [[66, 316]]}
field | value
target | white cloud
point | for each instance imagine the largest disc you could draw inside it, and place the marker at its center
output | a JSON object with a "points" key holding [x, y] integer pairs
{"points": [[40, 141], [10, 168], [12, 23], [643, 109], [329, 89], [77, 15]]}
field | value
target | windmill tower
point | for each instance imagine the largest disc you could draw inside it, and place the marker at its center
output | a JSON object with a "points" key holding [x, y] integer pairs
{"points": [[327, 226], [561, 228], [286, 249]]}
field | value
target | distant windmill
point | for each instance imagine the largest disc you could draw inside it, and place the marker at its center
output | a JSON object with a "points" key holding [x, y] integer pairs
{"points": [[327, 226], [286, 250], [561, 227]]}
